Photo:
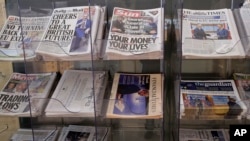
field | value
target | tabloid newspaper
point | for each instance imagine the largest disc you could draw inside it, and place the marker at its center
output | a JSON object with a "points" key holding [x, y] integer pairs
{"points": [[203, 134], [86, 133], [22, 88], [210, 34], [210, 100], [39, 135], [242, 82], [19, 40], [135, 34], [71, 31], [75, 94], [136, 96]]}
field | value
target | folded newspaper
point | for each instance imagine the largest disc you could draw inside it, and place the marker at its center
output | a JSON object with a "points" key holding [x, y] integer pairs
{"points": [[135, 34], [24, 89], [210, 34], [210, 100], [72, 31], [136, 96], [19, 40], [77, 93]]}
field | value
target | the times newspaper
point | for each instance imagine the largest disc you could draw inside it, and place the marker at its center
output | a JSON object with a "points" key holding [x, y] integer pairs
{"points": [[242, 82], [203, 134], [75, 94], [136, 96], [71, 31], [78, 132], [21, 36], [37, 134], [210, 34], [210, 100], [135, 34], [22, 89]]}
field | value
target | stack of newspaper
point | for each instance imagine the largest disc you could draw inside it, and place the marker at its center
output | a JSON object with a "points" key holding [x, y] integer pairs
{"points": [[136, 96], [203, 134], [210, 34], [25, 93], [136, 34], [86, 133], [210, 100], [79, 93]]}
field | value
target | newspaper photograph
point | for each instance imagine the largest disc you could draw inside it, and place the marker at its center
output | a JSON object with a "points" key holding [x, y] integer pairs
{"points": [[135, 32], [71, 31], [217, 99], [210, 34], [21, 39]]}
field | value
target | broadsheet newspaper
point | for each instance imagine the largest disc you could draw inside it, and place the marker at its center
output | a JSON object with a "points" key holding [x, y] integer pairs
{"points": [[17, 40], [203, 135], [243, 85], [22, 88], [210, 100], [71, 31], [135, 34], [86, 133], [39, 135], [210, 34], [136, 96], [75, 94]]}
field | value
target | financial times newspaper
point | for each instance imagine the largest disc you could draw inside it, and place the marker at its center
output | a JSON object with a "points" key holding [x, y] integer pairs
{"points": [[210, 34], [20, 37], [71, 31], [135, 34]]}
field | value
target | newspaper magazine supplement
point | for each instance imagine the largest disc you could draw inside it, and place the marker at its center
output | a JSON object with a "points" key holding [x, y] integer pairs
{"points": [[136, 96], [135, 34], [21, 40], [210, 100], [75, 94], [22, 89], [210, 34], [71, 31]]}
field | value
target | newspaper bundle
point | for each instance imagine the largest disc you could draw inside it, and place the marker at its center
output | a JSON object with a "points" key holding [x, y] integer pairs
{"points": [[135, 34], [242, 82], [20, 37], [203, 134], [210, 34], [136, 96], [210, 100], [24, 89], [76, 96], [39, 135], [86, 133], [71, 31]]}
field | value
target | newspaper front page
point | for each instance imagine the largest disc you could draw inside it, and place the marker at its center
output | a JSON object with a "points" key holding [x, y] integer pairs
{"points": [[21, 39], [74, 95], [71, 31], [22, 89], [136, 96], [135, 34], [210, 100], [210, 34]]}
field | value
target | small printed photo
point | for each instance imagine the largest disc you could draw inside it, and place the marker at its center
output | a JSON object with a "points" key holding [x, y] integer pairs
{"points": [[218, 31], [77, 136]]}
